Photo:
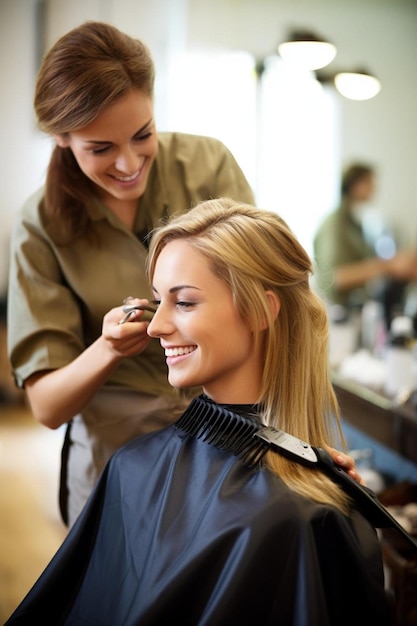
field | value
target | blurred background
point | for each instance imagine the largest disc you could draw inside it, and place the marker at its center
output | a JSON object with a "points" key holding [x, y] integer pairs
{"points": [[290, 135], [218, 73]]}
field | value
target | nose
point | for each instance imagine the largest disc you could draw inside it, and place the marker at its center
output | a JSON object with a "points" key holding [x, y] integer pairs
{"points": [[151, 328], [127, 161], [160, 324]]}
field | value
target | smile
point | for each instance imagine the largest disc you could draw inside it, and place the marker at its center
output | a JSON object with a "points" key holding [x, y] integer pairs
{"points": [[179, 351], [127, 179]]}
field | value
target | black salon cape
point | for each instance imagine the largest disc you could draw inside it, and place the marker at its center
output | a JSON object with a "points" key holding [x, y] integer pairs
{"points": [[178, 531]]}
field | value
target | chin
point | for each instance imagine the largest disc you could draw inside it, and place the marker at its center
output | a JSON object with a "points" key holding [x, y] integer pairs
{"points": [[181, 384]]}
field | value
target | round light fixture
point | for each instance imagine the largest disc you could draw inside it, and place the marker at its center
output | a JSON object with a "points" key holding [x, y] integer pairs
{"points": [[357, 85], [306, 51]]}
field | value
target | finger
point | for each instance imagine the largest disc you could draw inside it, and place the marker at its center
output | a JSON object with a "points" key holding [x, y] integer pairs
{"points": [[128, 316]]}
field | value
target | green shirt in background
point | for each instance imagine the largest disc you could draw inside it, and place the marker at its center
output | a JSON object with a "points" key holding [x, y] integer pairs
{"points": [[338, 241]]}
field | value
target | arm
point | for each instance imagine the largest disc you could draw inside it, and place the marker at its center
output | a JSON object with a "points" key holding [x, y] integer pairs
{"points": [[403, 266], [55, 396], [59, 347]]}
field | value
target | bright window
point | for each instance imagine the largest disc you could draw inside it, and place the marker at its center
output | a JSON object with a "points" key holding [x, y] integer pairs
{"points": [[281, 128], [215, 94], [298, 164]]}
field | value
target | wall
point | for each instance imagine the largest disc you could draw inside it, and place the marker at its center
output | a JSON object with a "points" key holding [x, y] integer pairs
{"points": [[382, 34]]}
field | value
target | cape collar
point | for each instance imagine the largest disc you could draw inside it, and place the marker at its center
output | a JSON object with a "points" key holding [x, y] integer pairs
{"points": [[228, 427]]}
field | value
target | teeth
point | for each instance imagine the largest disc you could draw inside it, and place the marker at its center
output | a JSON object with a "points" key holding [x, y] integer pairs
{"points": [[127, 179], [179, 351]]}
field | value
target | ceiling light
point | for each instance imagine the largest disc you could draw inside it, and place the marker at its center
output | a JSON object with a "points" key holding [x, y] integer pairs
{"points": [[306, 51], [357, 85]]}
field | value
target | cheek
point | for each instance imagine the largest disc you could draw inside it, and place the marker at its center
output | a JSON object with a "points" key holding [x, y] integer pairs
{"points": [[81, 158], [151, 149], [239, 343], [90, 167], [231, 337]]}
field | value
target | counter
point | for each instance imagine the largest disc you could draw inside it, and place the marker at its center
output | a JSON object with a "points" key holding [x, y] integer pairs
{"points": [[394, 426]]}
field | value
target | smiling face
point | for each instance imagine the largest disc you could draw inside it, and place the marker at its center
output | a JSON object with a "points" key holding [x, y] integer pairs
{"points": [[206, 342], [117, 149]]}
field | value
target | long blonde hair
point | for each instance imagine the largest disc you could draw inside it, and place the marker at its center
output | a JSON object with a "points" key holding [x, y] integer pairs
{"points": [[253, 250]]}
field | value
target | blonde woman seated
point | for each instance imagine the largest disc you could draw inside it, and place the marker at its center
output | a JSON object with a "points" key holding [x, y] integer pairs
{"points": [[200, 523]]}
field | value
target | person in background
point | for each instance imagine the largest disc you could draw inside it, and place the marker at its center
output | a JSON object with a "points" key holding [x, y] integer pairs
{"points": [[79, 247], [201, 522], [349, 271]]}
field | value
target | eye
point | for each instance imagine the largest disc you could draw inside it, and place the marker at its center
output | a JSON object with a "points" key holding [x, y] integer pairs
{"points": [[98, 151], [142, 136], [183, 304]]}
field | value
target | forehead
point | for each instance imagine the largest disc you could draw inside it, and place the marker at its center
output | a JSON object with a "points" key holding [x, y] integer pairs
{"points": [[125, 116], [180, 256], [181, 263]]}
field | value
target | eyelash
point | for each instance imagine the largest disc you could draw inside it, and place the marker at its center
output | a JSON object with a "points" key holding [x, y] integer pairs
{"points": [[184, 304], [138, 138], [98, 151], [180, 303]]}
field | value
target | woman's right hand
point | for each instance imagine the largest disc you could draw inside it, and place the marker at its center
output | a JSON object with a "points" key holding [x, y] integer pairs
{"points": [[128, 338]]}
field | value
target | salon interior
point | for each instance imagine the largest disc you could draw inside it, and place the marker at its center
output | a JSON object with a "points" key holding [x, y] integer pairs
{"points": [[292, 128]]}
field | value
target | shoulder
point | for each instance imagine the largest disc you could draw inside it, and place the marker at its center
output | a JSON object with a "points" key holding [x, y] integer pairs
{"points": [[326, 528], [329, 224], [197, 167], [143, 450], [300, 511], [330, 219], [30, 216], [32, 205], [186, 145]]}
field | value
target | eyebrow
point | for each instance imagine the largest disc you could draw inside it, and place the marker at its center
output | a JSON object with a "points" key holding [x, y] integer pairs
{"points": [[178, 288], [96, 142]]}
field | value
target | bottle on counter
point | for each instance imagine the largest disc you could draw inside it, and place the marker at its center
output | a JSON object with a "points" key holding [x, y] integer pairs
{"points": [[399, 357], [373, 329], [344, 334]]}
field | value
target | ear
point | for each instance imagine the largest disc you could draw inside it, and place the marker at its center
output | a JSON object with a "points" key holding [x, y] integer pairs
{"points": [[63, 141], [274, 304]]}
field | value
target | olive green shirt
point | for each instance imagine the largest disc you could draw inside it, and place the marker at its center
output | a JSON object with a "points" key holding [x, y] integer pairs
{"points": [[58, 295], [338, 241]]}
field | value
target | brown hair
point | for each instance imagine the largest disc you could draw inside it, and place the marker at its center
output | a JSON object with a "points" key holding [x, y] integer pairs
{"points": [[86, 70], [353, 174]]}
